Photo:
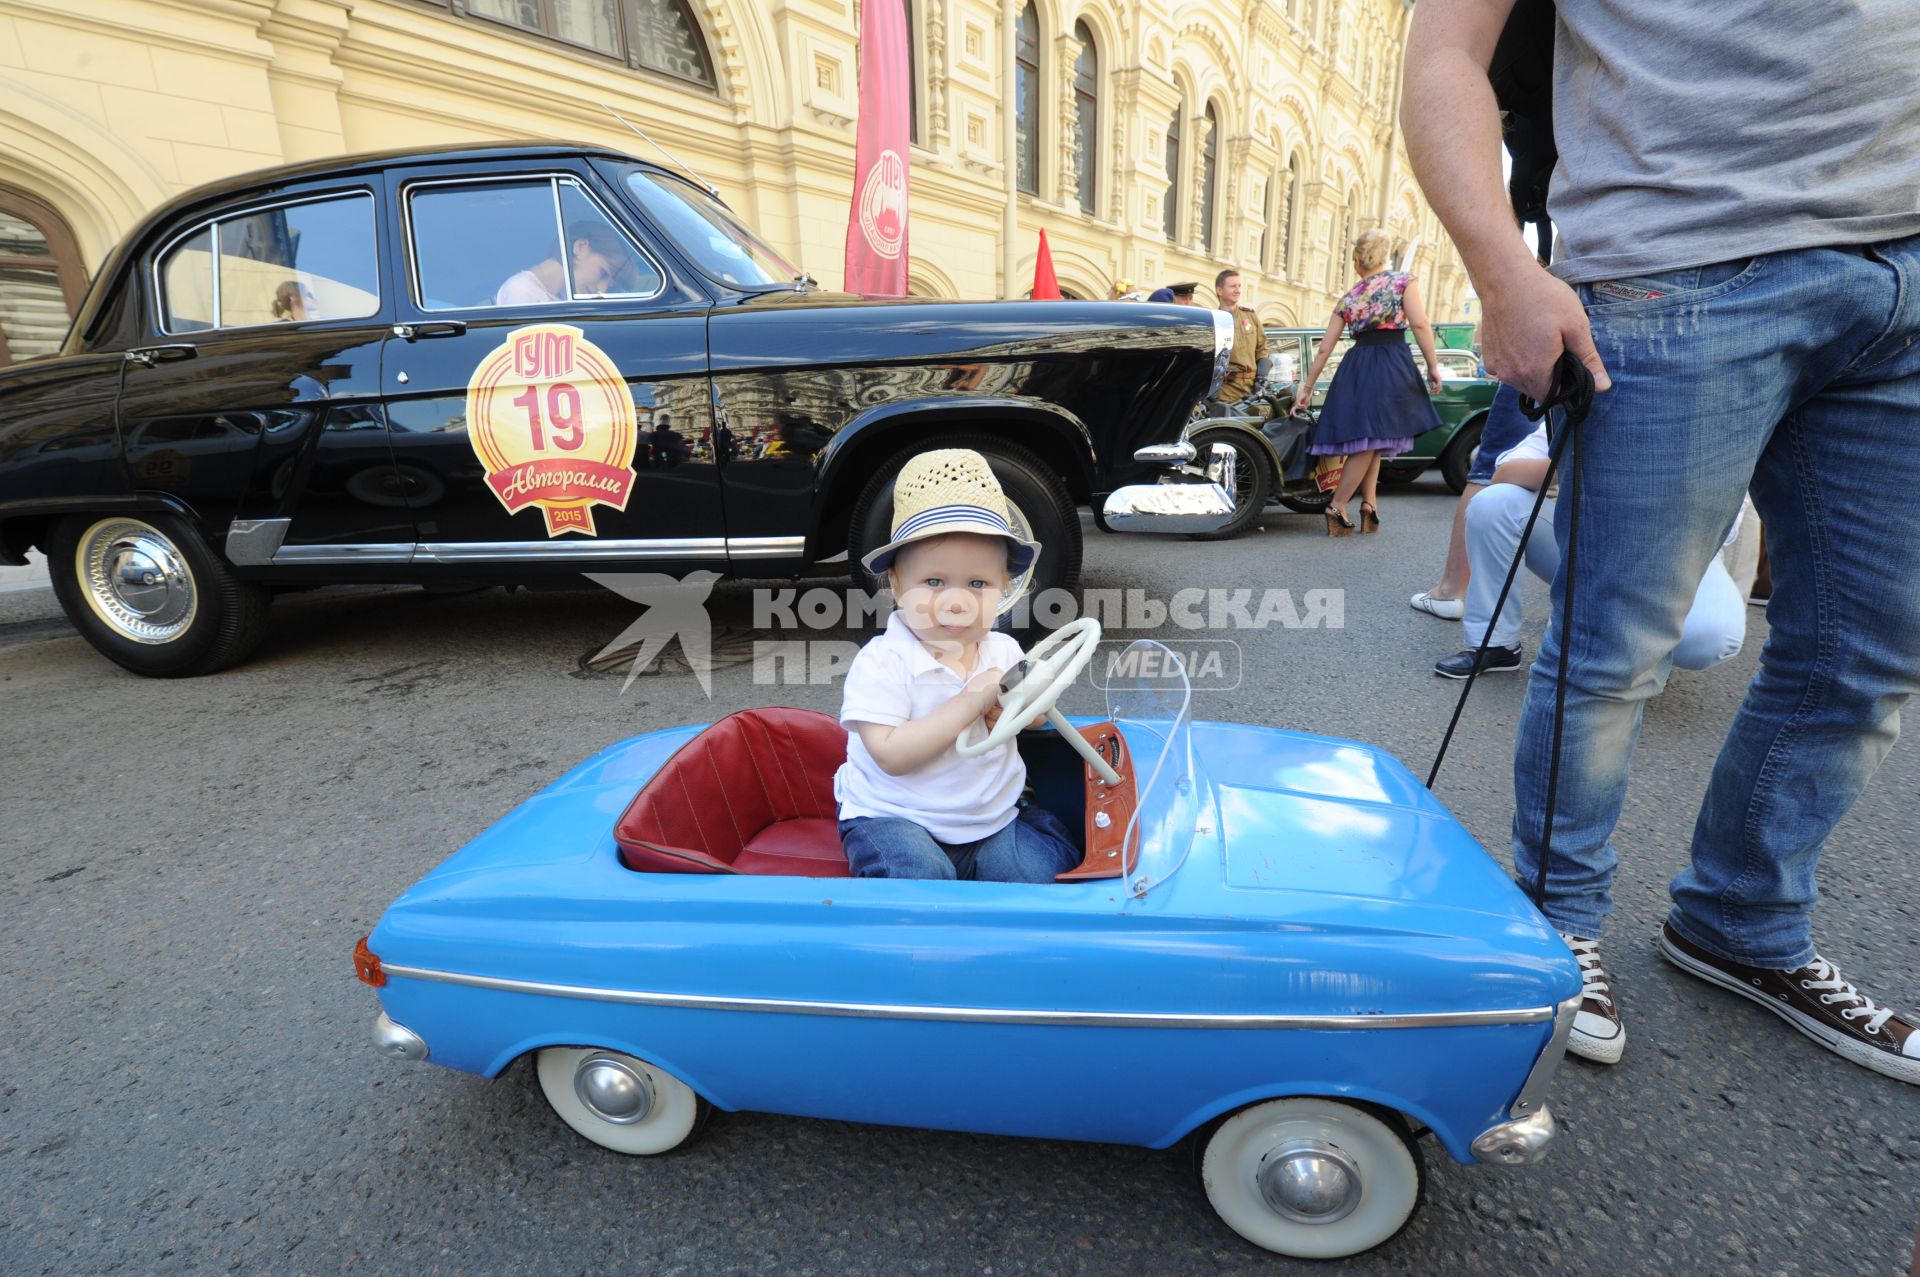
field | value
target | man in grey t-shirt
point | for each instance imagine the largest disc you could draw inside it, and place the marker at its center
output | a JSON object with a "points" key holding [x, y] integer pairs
{"points": [[1738, 199]]}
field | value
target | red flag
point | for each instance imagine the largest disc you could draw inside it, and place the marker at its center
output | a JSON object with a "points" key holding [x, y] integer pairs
{"points": [[877, 224], [1045, 287]]}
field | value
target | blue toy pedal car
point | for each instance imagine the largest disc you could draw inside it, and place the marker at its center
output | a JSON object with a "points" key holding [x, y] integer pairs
{"points": [[1278, 943]]}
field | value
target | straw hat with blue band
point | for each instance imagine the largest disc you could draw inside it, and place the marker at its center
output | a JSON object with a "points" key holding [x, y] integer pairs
{"points": [[950, 490]]}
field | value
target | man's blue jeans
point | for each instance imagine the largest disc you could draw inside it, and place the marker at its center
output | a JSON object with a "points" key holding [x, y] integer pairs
{"points": [[1032, 847], [1797, 374]]}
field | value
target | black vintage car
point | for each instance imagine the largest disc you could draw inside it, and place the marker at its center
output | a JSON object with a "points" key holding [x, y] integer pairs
{"points": [[512, 363]]}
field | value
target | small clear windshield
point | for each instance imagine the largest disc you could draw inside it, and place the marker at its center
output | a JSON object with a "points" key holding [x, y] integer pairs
{"points": [[707, 231], [1149, 697]]}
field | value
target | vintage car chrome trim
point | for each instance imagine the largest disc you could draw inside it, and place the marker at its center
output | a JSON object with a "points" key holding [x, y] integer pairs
{"points": [[1517, 1142], [1222, 349], [1533, 1092], [553, 177], [397, 1041], [545, 551], [370, 552], [766, 547], [1176, 507], [254, 542], [983, 1015], [1165, 454]]}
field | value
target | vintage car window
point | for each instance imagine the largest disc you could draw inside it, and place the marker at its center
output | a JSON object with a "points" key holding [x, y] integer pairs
{"points": [[719, 243], [609, 266], [186, 284], [309, 261], [532, 243]]}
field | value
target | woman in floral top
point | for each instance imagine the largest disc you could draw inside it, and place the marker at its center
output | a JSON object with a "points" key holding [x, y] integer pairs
{"points": [[1376, 405]]}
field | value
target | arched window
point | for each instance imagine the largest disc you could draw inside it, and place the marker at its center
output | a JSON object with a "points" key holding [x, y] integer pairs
{"points": [[1286, 266], [1086, 113], [1026, 56], [913, 75], [660, 35], [1170, 206], [1209, 169], [1353, 217], [1267, 237], [41, 277]]}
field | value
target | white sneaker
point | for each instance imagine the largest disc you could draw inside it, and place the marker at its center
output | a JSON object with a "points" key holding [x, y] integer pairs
{"points": [[1597, 1033], [1445, 609]]}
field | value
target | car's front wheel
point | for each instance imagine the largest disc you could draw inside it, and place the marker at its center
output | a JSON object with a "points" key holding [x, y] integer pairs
{"points": [[618, 1101], [1457, 460], [1311, 1178], [151, 596]]}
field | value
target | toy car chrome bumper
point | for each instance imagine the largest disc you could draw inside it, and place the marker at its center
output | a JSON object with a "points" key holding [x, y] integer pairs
{"points": [[1178, 503], [397, 1041], [1517, 1142], [1525, 1138]]}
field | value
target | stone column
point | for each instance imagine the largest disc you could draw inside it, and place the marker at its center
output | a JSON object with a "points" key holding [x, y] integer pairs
{"points": [[938, 74], [1068, 52], [1194, 134]]}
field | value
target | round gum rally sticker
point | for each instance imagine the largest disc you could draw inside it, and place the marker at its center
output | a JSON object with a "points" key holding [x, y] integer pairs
{"points": [[550, 418]]}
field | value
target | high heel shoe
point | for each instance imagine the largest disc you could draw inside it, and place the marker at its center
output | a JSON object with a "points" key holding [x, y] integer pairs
{"points": [[1369, 518], [1338, 525]]}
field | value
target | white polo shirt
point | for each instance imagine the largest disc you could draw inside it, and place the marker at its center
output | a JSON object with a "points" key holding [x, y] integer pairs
{"points": [[897, 679]]}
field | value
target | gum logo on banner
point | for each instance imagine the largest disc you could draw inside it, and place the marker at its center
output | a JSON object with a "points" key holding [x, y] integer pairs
{"points": [[550, 418]]}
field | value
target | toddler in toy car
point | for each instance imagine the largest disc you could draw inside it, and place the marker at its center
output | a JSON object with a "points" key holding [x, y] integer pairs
{"points": [[910, 805]]}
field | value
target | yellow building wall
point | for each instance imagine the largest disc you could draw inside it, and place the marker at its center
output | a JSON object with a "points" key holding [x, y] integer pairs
{"points": [[111, 106]]}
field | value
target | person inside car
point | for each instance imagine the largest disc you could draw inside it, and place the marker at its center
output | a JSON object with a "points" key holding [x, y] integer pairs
{"points": [[910, 805], [599, 259], [293, 301]]}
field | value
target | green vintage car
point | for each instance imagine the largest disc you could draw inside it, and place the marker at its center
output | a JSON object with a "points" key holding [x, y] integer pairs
{"points": [[1269, 459]]}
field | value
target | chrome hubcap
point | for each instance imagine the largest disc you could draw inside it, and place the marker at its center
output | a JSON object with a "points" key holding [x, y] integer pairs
{"points": [[613, 1090], [1309, 1181], [1024, 530], [136, 580]]}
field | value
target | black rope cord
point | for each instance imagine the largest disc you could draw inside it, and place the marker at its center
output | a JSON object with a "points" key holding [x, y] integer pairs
{"points": [[1571, 391]]}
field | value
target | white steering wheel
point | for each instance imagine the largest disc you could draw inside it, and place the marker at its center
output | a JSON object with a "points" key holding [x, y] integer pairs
{"points": [[1052, 666]]}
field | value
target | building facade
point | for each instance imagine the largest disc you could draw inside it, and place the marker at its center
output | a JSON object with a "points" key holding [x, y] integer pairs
{"points": [[1153, 141]]}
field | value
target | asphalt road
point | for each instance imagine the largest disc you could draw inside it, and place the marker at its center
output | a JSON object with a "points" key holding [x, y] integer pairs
{"points": [[186, 1083]]}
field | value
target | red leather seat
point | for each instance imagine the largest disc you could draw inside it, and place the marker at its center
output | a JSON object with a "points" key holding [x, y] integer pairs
{"points": [[751, 794]]}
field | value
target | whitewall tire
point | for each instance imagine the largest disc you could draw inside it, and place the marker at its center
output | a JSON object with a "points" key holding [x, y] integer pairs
{"points": [[617, 1101], [1311, 1178]]}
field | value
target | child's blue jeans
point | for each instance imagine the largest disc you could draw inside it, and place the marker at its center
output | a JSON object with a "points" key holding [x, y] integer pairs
{"points": [[1032, 847]]}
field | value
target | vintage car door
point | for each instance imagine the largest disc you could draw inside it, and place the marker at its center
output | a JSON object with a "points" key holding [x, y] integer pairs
{"points": [[253, 398], [546, 380]]}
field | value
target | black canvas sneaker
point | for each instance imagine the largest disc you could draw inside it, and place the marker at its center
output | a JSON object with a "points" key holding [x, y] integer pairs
{"points": [[1497, 660], [1597, 1033], [1816, 1000]]}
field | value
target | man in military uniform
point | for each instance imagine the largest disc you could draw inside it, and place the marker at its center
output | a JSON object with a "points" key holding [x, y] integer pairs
{"points": [[1178, 294], [1248, 362]]}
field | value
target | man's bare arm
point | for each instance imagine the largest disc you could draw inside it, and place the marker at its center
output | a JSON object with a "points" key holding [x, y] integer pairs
{"points": [[1453, 138]]}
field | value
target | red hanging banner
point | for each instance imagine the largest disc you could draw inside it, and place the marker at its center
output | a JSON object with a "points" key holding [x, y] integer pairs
{"points": [[877, 223]]}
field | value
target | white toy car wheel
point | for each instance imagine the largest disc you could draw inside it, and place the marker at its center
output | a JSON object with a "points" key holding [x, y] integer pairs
{"points": [[617, 1101], [1311, 1178]]}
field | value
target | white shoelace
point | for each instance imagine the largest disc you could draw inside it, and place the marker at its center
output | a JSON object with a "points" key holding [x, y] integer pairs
{"points": [[1837, 990], [1593, 977]]}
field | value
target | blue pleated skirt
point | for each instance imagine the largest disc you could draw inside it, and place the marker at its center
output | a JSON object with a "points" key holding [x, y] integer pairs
{"points": [[1378, 400]]}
